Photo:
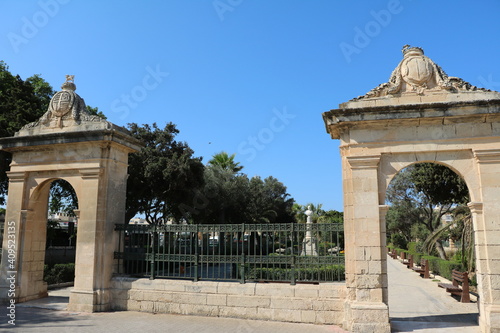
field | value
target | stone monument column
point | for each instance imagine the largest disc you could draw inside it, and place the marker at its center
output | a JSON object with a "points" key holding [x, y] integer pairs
{"points": [[310, 242]]}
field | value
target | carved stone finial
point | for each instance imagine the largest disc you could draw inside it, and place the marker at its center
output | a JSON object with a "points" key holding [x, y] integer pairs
{"points": [[66, 108], [408, 49], [418, 74], [69, 84]]}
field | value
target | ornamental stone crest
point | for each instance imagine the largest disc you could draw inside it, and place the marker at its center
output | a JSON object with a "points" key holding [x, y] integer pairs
{"points": [[417, 74], [63, 101], [67, 111]]}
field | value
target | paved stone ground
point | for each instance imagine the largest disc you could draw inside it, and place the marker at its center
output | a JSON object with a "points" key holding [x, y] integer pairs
{"points": [[419, 305], [43, 320], [49, 315], [416, 305]]}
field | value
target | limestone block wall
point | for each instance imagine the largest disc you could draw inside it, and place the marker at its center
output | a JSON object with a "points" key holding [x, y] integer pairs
{"points": [[318, 304]]}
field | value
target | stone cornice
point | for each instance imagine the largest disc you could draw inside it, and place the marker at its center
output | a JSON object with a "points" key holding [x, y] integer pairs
{"points": [[17, 176], [475, 207], [364, 162], [19, 143], [487, 156], [337, 119], [90, 173]]}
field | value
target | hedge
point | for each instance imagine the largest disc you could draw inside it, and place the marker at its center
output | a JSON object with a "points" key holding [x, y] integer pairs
{"points": [[437, 265], [59, 273], [322, 274]]}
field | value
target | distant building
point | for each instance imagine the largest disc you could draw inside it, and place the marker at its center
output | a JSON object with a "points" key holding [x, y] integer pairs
{"points": [[63, 219], [138, 220]]}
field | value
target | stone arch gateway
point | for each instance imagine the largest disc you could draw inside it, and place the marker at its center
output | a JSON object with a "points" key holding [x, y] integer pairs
{"points": [[420, 115], [92, 155]]}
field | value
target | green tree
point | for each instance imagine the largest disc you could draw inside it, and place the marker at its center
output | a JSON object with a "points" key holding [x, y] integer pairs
{"points": [[232, 198], [226, 162], [62, 198], [463, 226], [163, 176], [422, 194], [331, 216], [21, 102], [222, 199], [300, 212], [268, 201]]}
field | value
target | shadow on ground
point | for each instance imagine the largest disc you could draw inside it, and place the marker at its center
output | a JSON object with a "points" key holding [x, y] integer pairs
{"points": [[410, 324], [31, 317]]}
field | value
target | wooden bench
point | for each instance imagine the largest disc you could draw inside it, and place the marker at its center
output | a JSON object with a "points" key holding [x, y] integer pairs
{"points": [[455, 289], [423, 269], [393, 254], [408, 262]]}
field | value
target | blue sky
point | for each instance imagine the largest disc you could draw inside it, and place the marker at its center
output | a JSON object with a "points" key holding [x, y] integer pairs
{"points": [[242, 76]]}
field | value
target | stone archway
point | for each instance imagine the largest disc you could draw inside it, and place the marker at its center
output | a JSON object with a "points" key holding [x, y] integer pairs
{"points": [[420, 115], [92, 155]]}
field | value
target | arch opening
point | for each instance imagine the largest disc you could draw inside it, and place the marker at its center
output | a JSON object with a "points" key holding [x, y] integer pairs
{"points": [[429, 218], [50, 235], [62, 226]]}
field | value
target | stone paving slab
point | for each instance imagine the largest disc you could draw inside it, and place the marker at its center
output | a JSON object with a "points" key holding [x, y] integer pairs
{"points": [[419, 305], [30, 319]]}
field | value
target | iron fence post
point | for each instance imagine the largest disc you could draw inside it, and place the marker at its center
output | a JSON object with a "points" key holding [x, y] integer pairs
{"points": [[152, 267], [196, 256], [242, 265]]}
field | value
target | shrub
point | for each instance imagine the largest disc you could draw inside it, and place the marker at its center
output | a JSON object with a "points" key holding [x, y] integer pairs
{"points": [[399, 241], [59, 273], [321, 273], [412, 247], [442, 267]]}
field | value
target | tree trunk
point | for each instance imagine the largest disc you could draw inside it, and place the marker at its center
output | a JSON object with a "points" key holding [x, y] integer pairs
{"points": [[440, 250]]}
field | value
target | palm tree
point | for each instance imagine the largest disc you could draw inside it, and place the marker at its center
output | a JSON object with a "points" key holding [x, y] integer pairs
{"points": [[462, 220], [462, 216], [300, 215], [225, 161]]}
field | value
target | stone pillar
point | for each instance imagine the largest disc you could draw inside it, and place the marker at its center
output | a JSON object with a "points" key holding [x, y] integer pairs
{"points": [[486, 220], [383, 241], [365, 247], [101, 207]]}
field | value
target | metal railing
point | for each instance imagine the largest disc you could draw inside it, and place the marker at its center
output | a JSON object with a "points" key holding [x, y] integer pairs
{"points": [[292, 252]]}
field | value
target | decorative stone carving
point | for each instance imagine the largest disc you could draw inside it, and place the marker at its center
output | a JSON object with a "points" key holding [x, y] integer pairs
{"points": [[418, 74], [66, 108]]}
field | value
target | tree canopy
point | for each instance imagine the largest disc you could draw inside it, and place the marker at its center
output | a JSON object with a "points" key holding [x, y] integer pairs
{"points": [[162, 176], [419, 196], [225, 161], [228, 197], [21, 102]]}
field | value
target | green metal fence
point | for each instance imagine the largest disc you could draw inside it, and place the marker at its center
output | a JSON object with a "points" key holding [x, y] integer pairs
{"points": [[292, 252]]}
